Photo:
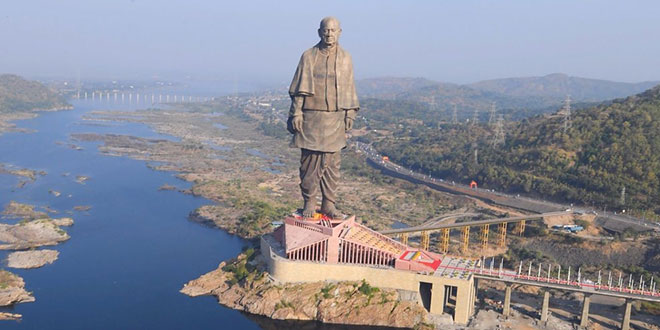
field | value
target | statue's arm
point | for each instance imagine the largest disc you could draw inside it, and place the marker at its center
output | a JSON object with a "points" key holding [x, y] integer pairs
{"points": [[350, 118], [295, 122], [296, 105]]}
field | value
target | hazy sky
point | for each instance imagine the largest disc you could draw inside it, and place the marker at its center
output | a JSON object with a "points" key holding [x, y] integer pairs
{"points": [[455, 41]]}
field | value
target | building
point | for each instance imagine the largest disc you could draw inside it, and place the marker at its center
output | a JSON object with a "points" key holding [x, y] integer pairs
{"points": [[322, 249]]}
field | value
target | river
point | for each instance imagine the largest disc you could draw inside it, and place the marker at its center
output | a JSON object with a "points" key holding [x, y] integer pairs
{"points": [[129, 255]]}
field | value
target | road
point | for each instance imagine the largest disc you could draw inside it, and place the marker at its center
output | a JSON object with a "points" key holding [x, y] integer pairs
{"points": [[490, 195]]}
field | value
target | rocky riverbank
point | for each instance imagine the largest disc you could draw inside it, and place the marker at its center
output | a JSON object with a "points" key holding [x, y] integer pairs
{"points": [[12, 289], [243, 284], [34, 229], [252, 178]]}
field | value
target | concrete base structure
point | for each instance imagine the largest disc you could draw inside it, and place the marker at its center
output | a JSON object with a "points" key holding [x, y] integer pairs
{"points": [[625, 323], [545, 307], [584, 319], [506, 311], [460, 288]]}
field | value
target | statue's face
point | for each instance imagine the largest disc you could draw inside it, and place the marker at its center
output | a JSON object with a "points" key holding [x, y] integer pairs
{"points": [[330, 32]]}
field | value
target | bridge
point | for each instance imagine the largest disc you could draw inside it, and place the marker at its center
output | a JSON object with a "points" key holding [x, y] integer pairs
{"points": [[544, 276], [426, 230], [147, 98]]}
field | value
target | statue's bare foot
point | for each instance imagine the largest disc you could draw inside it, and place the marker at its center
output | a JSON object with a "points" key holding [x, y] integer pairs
{"points": [[331, 211]]}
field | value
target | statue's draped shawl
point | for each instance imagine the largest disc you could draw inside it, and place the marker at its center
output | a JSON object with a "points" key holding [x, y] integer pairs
{"points": [[303, 79]]}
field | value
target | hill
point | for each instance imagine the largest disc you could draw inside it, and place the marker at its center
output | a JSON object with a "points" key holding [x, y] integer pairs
{"points": [[608, 147], [20, 95], [390, 87], [557, 85], [516, 98]]}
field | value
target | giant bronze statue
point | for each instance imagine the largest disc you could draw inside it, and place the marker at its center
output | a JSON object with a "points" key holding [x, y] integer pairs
{"points": [[323, 108]]}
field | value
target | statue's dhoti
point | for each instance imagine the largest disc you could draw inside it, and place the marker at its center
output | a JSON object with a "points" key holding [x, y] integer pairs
{"points": [[319, 170]]}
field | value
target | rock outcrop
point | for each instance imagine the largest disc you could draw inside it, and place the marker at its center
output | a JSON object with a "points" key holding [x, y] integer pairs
{"points": [[30, 234], [12, 289], [31, 259], [242, 284]]}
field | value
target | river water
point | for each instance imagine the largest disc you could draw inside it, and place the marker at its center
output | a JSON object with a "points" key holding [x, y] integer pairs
{"points": [[129, 255]]}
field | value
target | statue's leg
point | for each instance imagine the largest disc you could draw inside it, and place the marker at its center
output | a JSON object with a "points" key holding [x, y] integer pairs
{"points": [[329, 183], [310, 177]]}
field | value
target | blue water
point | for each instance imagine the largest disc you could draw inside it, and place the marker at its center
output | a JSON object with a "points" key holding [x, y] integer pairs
{"points": [[129, 255]]}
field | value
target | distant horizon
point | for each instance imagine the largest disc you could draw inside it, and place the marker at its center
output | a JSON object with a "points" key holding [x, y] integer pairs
{"points": [[261, 41], [189, 77]]}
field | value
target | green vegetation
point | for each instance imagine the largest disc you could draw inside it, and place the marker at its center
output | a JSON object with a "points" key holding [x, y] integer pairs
{"points": [[584, 223], [241, 268], [259, 215], [325, 291], [274, 129], [7, 279], [18, 94], [367, 289], [608, 147], [284, 304], [649, 307]]}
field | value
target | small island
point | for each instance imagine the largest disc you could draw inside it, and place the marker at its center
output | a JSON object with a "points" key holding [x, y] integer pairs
{"points": [[34, 229]]}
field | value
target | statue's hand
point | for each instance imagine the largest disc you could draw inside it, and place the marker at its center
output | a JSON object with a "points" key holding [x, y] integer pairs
{"points": [[289, 125], [349, 123], [297, 123]]}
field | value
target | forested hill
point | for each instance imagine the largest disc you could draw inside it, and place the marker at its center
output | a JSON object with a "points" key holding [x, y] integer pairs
{"points": [[607, 148], [18, 94]]}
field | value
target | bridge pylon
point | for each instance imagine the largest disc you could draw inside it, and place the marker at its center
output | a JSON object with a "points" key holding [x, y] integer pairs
{"points": [[445, 240], [466, 238], [502, 234], [424, 241], [520, 229], [484, 236], [404, 238]]}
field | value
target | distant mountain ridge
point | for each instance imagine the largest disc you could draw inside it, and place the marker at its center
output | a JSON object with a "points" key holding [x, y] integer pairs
{"points": [[558, 85], [18, 94], [517, 98]]}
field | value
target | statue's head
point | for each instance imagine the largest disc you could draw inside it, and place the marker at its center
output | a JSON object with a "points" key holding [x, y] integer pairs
{"points": [[329, 31]]}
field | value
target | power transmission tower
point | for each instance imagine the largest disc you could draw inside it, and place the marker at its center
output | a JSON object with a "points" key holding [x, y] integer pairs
{"points": [[623, 196], [454, 117], [476, 154], [567, 114], [491, 119], [475, 117], [498, 137]]}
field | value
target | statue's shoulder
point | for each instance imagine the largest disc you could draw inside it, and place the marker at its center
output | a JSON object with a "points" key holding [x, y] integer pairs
{"points": [[344, 52], [310, 52]]}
